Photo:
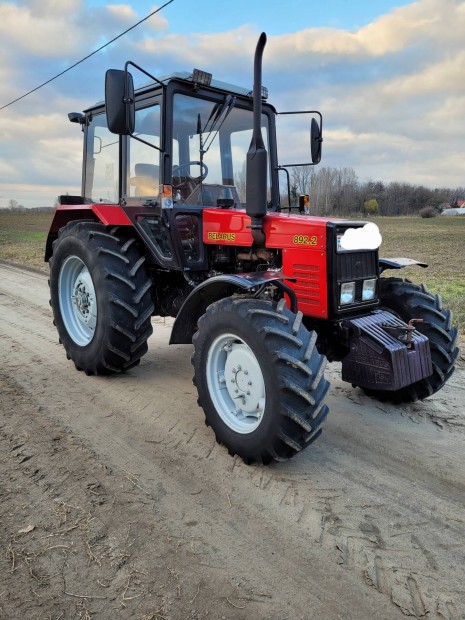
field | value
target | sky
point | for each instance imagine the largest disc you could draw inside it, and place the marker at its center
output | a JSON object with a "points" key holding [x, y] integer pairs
{"points": [[388, 77]]}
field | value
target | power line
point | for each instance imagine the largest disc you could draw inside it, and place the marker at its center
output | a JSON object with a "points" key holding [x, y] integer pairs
{"points": [[86, 57]]}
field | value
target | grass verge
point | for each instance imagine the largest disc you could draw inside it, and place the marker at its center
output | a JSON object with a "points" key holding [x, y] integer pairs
{"points": [[23, 236], [439, 242]]}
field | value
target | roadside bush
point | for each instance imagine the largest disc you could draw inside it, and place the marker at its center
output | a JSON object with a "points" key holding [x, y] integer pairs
{"points": [[371, 207], [427, 212]]}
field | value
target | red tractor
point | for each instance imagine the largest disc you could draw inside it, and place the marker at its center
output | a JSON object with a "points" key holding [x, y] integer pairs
{"points": [[180, 216]]}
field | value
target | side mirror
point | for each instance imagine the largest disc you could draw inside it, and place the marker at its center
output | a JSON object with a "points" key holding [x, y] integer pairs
{"points": [[315, 141], [119, 102]]}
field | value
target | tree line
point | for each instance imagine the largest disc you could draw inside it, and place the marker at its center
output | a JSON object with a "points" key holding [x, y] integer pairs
{"points": [[339, 192]]}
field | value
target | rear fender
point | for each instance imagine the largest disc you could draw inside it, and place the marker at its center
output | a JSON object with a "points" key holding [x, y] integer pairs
{"points": [[398, 263], [216, 288], [109, 215]]}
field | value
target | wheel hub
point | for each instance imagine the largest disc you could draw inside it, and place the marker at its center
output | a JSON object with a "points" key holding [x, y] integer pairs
{"points": [[78, 301], [83, 298], [236, 383], [244, 379]]}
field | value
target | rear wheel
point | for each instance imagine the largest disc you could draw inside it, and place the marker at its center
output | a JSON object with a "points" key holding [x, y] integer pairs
{"points": [[100, 296], [260, 379], [412, 301]]}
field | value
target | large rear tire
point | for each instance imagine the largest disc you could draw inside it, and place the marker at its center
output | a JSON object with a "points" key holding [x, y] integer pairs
{"points": [[412, 301], [260, 379], [100, 296]]}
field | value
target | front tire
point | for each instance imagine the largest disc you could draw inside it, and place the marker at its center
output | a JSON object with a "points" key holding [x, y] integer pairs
{"points": [[260, 379], [411, 301], [100, 296]]}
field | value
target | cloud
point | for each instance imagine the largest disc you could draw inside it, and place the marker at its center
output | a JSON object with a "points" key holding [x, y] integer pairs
{"points": [[47, 8], [423, 21], [392, 92], [397, 117], [21, 29], [124, 12], [221, 51]]}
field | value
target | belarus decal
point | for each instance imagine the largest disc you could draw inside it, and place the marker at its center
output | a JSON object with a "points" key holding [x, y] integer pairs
{"points": [[221, 236]]}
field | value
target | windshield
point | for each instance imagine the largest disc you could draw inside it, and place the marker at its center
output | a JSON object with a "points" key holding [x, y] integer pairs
{"points": [[209, 149]]}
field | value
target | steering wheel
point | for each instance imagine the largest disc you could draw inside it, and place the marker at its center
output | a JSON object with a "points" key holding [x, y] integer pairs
{"points": [[182, 171]]}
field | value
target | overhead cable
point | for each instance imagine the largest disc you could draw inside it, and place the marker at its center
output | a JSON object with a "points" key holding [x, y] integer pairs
{"points": [[86, 57]]}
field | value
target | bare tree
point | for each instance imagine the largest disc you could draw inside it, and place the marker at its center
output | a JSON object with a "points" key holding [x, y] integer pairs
{"points": [[300, 179]]}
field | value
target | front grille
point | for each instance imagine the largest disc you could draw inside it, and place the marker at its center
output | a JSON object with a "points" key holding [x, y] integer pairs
{"points": [[348, 266], [356, 265]]}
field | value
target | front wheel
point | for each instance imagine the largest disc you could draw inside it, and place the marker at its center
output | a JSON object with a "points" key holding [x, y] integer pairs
{"points": [[411, 301], [260, 379]]}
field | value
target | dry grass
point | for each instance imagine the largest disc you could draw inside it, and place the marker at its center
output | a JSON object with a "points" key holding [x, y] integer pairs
{"points": [[23, 236], [438, 241]]}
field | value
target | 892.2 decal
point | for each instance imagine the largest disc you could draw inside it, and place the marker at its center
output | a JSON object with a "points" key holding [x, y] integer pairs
{"points": [[305, 239]]}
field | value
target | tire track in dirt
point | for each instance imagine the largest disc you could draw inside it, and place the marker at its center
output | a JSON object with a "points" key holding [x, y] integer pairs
{"points": [[378, 500], [234, 528]]}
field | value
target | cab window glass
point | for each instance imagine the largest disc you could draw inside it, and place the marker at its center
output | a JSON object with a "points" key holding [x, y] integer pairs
{"points": [[143, 159], [102, 166]]}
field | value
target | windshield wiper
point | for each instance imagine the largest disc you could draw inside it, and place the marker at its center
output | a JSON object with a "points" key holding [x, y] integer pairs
{"points": [[215, 121]]}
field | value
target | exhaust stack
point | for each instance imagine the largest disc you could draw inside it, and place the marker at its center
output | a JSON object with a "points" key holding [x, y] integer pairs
{"points": [[256, 170]]}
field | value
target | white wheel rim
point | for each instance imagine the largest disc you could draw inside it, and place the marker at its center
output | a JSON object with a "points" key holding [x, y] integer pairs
{"points": [[235, 383], [78, 301]]}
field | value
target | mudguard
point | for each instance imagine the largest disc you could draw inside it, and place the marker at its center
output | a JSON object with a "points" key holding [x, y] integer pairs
{"points": [[398, 263], [69, 210], [216, 288]]}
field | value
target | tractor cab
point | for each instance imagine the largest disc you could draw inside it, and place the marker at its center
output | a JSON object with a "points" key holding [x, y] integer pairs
{"points": [[190, 138]]}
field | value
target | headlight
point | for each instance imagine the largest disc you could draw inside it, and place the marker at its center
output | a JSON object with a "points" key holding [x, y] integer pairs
{"points": [[368, 289], [347, 293]]}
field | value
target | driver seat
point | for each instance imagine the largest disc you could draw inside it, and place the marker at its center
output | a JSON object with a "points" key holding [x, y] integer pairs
{"points": [[146, 181]]}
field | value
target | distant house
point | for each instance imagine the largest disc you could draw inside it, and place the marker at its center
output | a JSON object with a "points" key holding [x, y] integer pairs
{"points": [[455, 211]]}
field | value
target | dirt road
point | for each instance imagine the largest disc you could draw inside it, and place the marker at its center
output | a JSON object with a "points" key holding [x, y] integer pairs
{"points": [[116, 502]]}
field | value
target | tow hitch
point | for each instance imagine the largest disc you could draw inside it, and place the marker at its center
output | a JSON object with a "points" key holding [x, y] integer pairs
{"points": [[403, 333]]}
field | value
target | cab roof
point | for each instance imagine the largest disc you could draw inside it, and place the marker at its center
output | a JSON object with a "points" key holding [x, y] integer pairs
{"points": [[185, 76]]}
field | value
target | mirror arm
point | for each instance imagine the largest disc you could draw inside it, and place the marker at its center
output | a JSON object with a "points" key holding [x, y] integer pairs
{"points": [[129, 62], [319, 139], [306, 112], [278, 168], [309, 163], [129, 100]]}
